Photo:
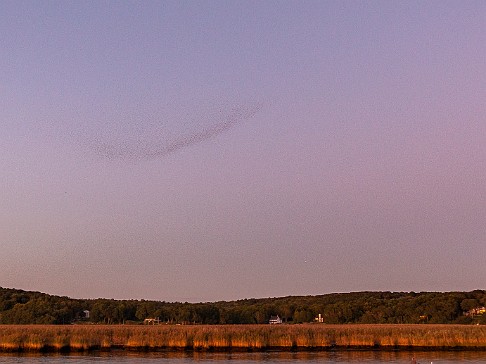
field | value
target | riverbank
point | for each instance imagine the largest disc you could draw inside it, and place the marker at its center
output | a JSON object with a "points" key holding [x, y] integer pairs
{"points": [[39, 338]]}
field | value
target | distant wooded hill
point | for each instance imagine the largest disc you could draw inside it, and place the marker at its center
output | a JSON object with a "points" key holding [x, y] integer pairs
{"points": [[25, 307]]}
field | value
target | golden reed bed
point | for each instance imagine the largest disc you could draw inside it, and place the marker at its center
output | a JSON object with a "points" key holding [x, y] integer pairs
{"points": [[239, 337]]}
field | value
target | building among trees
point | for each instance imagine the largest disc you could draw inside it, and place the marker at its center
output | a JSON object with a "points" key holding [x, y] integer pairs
{"points": [[275, 320]]}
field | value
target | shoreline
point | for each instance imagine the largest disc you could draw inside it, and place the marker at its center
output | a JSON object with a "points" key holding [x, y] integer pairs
{"points": [[240, 338]]}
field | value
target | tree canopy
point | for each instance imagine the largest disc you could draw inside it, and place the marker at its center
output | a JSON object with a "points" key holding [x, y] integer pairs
{"points": [[26, 307]]}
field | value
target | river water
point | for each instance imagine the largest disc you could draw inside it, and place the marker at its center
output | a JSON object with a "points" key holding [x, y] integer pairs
{"points": [[342, 357]]}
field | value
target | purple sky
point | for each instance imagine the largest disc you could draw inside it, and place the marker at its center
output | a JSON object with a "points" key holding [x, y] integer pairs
{"points": [[217, 150]]}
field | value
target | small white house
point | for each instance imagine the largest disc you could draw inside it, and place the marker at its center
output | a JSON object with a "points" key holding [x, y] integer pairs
{"points": [[151, 321], [275, 320], [86, 314]]}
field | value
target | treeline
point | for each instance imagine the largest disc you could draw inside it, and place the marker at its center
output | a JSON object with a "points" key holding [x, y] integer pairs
{"points": [[24, 307]]}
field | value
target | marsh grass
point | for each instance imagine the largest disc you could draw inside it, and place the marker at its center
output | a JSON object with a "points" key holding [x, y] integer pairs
{"points": [[238, 337]]}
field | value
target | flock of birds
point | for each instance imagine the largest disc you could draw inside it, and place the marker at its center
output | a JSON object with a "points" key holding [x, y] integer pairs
{"points": [[158, 148]]}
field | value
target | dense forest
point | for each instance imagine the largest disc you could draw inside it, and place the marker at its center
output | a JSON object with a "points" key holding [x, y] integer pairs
{"points": [[25, 307]]}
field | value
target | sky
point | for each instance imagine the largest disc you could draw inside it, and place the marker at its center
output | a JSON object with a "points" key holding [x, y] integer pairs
{"points": [[217, 150]]}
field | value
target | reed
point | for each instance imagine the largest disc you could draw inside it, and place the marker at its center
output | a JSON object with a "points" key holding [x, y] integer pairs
{"points": [[239, 337]]}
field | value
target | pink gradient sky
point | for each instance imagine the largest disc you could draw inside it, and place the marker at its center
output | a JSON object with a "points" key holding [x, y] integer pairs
{"points": [[211, 150]]}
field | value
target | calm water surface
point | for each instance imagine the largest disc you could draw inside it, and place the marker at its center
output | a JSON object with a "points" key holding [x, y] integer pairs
{"points": [[343, 357]]}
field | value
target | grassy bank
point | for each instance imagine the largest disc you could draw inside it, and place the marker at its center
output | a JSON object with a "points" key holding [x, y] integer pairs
{"points": [[239, 337]]}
